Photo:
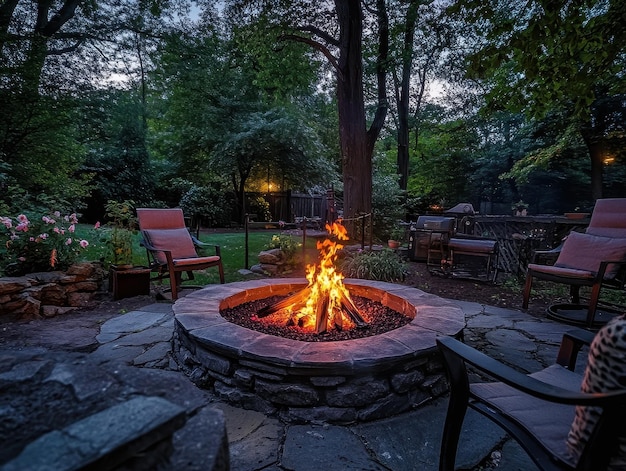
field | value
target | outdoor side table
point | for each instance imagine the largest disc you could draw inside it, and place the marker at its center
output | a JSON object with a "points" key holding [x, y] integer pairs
{"points": [[129, 282]]}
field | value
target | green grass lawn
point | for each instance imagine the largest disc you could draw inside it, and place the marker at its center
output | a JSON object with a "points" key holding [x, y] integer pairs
{"points": [[232, 245]]}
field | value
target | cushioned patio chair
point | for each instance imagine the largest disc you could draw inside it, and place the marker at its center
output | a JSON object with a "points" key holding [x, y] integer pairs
{"points": [[564, 420], [171, 248], [596, 258]]}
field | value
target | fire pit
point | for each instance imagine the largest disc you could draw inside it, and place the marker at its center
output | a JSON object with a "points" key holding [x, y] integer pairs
{"points": [[338, 382]]}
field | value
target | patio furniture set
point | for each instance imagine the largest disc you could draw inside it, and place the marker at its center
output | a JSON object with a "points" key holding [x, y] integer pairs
{"points": [[565, 420]]}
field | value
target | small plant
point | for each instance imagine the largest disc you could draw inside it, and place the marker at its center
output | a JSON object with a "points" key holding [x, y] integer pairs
{"points": [[287, 244], [40, 243], [398, 233], [384, 265], [119, 237]]}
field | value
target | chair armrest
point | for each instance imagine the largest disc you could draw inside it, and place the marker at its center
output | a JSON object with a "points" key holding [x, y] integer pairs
{"points": [[456, 352], [549, 256], [203, 245], [571, 344]]}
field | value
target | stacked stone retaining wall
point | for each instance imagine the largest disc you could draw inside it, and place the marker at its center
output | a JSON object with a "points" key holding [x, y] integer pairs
{"points": [[48, 294]]}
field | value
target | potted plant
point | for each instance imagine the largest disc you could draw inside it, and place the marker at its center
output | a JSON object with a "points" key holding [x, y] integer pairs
{"points": [[520, 208], [122, 223], [125, 279], [396, 237]]}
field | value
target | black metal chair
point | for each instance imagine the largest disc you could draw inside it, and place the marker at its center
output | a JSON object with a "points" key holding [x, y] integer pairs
{"points": [[537, 410]]}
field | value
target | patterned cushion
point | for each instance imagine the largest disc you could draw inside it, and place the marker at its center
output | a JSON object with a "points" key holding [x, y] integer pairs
{"points": [[606, 371], [585, 252]]}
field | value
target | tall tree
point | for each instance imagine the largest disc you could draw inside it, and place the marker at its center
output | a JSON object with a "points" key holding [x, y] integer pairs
{"points": [[540, 56], [337, 33]]}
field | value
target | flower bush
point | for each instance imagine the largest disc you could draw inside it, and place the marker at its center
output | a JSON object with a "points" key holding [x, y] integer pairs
{"points": [[287, 244], [41, 243]]}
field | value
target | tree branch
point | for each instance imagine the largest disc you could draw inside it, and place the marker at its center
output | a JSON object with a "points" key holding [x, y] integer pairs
{"points": [[61, 17], [315, 45], [322, 34]]}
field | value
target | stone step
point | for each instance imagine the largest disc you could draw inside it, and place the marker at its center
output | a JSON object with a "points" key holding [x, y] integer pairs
{"points": [[136, 433]]}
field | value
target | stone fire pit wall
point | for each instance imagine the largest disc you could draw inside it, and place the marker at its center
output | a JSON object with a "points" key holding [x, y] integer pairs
{"points": [[336, 382]]}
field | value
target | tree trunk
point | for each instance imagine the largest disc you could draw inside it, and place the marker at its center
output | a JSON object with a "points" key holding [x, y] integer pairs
{"points": [[357, 164], [403, 98], [357, 144], [596, 148]]}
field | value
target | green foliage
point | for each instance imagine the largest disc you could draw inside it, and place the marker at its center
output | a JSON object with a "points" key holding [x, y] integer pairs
{"points": [[207, 204], [386, 198], [43, 242], [287, 244], [384, 265], [122, 226], [260, 208]]}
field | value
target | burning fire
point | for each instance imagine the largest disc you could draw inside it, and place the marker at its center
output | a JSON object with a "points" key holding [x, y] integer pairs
{"points": [[325, 302]]}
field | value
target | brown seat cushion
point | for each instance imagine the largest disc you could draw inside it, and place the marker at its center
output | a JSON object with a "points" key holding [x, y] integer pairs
{"points": [[178, 241], [560, 271], [586, 251]]}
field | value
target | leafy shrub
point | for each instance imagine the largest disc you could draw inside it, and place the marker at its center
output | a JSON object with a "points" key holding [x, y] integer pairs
{"points": [[260, 207], [122, 227], [208, 204], [40, 243], [384, 265], [287, 244]]}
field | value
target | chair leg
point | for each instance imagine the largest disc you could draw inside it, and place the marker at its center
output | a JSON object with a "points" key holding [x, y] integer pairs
{"points": [[593, 304], [174, 280], [221, 269], [574, 291], [527, 287], [457, 407]]}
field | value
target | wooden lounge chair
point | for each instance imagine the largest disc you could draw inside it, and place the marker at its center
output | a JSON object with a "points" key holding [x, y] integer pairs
{"points": [[596, 258], [171, 249], [549, 413]]}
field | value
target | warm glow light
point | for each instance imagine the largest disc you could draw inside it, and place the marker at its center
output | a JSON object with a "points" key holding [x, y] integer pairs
{"points": [[608, 160], [325, 293]]}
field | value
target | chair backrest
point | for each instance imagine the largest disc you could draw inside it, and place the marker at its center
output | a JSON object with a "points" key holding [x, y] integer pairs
{"points": [[158, 218], [608, 218], [165, 229]]}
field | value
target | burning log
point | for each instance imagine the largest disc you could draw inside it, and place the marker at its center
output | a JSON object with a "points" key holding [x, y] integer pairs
{"points": [[298, 298], [321, 317], [326, 299]]}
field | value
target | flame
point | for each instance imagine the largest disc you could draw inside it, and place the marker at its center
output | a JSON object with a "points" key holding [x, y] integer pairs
{"points": [[325, 286]]}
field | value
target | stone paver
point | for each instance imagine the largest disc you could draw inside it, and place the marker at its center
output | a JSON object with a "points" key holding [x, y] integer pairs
{"points": [[129, 355]]}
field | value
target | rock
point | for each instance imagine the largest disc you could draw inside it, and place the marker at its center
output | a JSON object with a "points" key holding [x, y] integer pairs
{"points": [[274, 256]]}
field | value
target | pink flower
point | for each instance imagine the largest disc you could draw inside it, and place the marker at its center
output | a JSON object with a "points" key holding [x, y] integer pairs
{"points": [[72, 228], [57, 214], [73, 218], [56, 230], [22, 227], [7, 222], [32, 239], [22, 218], [83, 243], [68, 241], [43, 236], [97, 225], [48, 220], [22, 259]]}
